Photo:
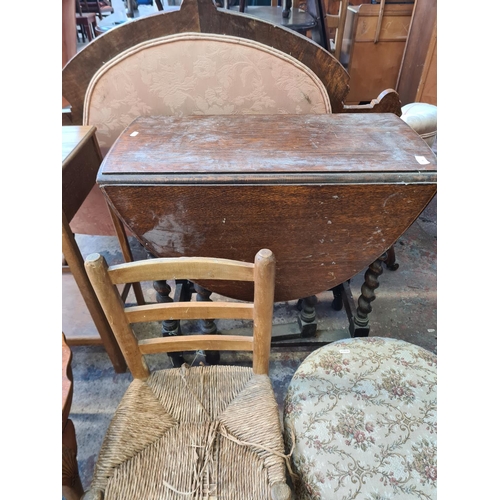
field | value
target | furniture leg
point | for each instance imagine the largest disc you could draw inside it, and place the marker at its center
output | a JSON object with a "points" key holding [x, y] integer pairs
{"points": [[359, 324], [391, 263], [183, 290], [168, 327], [307, 317], [287, 8], [82, 32], [207, 326], [126, 251], [74, 258], [337, 298], [71, 483]]}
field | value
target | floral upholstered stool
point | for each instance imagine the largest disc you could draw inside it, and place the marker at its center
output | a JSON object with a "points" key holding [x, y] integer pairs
{"points": [[361, 414]]}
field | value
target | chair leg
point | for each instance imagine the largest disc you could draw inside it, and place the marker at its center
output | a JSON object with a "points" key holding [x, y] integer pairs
{"points": [[89, 32], [71, 483]]}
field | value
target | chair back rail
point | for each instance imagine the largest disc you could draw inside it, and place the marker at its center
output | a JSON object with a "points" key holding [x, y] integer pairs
{"points": [[261, 272]]}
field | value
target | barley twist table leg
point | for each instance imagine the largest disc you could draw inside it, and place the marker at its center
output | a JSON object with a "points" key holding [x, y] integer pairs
{"points": [[359, 325]]}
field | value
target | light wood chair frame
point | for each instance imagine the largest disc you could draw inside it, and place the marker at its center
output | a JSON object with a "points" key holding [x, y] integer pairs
{"points": [[262, 273], [336, 23]]}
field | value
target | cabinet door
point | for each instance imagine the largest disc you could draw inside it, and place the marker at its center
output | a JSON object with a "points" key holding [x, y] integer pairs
{"points": [[68, 31], [418, 77], [374, 63]]}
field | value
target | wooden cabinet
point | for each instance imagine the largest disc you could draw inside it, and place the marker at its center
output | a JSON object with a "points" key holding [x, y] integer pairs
{"points": [[68, 31], [373, 48], [418, 76]]}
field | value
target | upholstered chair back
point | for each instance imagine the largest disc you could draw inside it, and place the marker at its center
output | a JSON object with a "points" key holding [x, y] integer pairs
{"points": [[199, 74]]}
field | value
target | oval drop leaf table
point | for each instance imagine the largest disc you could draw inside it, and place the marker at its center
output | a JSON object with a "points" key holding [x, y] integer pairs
{"points": [[328, 194]]}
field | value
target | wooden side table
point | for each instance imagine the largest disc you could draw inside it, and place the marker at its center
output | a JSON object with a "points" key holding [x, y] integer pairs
{"points": [[81, 158], [71, 483]]}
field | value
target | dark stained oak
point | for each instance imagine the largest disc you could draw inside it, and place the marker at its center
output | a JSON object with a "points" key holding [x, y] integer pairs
{"points": [[328, 194]]}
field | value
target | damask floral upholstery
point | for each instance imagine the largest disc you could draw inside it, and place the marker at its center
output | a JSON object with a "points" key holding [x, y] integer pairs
{"points": [[362, 415], [199, 74]]}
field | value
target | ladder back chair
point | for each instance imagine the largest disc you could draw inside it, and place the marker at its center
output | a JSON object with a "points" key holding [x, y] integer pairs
{"points": [[205, 431], [334, 25]]}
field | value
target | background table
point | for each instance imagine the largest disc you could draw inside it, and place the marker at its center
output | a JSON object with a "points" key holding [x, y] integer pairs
{"points": [[81, 158]]}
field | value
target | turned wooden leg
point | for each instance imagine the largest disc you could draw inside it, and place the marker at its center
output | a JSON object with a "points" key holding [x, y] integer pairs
{"points": [[391, 263], [207, 326], [71, 483], [169, 327], [307, 317], [359, 325]]}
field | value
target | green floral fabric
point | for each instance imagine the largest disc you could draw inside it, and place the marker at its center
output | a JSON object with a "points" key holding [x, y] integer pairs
{"points": [[362, 415]]}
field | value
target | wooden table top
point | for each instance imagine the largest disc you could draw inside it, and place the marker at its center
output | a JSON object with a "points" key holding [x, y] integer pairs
{"points": [[328, 194], [73, 137], [226, 148]]}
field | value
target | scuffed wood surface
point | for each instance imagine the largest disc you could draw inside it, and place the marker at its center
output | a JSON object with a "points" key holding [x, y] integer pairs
{"points": [[270, 144], [328, 194]]}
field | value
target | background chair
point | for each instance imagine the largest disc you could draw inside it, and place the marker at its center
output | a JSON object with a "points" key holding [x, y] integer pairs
{"points": [[100, 7], [362, 415], [334, 25], [212, 430], [87, 24]]}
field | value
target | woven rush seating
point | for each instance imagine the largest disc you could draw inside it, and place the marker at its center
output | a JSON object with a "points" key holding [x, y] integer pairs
{"points": [[362, 413], [157, 448], [204, 432]]}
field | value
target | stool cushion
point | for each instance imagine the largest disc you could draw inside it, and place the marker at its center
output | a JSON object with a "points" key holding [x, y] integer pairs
{"points": [[422, 118], [362, 413]]}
